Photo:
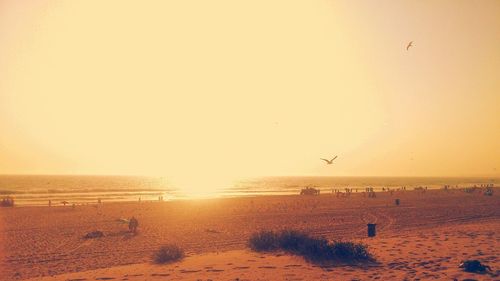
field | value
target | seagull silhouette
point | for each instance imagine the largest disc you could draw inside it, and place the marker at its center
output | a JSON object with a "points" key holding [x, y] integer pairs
{"points": [[329, 162], [409, 45]]}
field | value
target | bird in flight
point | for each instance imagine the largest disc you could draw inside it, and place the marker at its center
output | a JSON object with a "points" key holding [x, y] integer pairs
{"points": [[329, 162], [409, 45]]}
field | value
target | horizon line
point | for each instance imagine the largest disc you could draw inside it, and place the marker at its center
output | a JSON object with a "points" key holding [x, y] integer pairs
{"points": [[260, 176]]}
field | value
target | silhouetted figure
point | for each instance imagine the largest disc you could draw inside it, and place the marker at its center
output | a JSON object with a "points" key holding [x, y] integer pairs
{"points": [[133, 224]]}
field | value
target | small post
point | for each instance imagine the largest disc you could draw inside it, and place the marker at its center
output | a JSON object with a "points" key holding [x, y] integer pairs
{"points": [[371, 229], [397, 202]]}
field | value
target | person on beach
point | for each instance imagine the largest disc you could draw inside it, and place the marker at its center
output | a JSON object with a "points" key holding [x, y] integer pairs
{"points": [[133, 224]]}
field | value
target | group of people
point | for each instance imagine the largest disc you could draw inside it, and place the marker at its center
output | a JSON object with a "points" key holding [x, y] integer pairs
{"points": [[7, 202], [347, 191], [484, 189], [309, 191], [370, 192]]}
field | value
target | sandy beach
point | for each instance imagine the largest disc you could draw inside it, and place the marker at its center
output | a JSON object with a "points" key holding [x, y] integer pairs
{"points": [[250, 140], [424, 238]]}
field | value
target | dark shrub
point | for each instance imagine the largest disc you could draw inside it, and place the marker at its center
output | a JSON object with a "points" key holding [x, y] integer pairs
{"points": [[350, 251], [316, 249], [264, 241], [291, 240], [168, 253], [94, 234], [311, 248]]}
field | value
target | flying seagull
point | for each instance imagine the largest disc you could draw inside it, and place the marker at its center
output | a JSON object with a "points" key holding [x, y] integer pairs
{"points": [[409, 45], [329, 162]]}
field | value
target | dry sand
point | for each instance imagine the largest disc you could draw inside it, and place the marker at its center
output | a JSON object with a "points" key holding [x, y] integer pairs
{"points": [[424, 238]]}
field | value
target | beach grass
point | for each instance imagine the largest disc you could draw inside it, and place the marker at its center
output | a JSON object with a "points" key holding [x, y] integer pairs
{"points": [[168, 253], [315, 249]]}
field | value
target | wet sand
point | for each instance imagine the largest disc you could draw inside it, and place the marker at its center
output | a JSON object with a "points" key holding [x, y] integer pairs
{"points": [[425, 237]]}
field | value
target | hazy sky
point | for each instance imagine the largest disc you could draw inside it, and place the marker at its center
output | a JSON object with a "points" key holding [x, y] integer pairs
{"points": [[222, 89]]}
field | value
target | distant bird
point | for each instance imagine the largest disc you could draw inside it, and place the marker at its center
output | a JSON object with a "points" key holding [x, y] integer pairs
{"points": [[329, 162], [409, 45]]}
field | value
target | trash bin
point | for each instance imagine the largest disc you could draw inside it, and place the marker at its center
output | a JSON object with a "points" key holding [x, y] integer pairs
{"points": [[371, 229], [397, 202]]}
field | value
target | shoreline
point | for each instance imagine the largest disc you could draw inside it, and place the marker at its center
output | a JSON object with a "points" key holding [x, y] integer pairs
{"points": [[38, 189], [325, 191]]}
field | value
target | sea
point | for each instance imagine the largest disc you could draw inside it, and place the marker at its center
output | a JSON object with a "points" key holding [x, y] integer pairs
{"points": [[38, 190]]}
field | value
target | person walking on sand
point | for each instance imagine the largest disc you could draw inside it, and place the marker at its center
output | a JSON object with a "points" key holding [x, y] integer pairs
{"points": [[133, 224]]}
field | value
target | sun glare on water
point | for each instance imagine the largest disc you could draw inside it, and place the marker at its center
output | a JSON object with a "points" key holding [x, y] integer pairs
{"points": [[198, 186]]}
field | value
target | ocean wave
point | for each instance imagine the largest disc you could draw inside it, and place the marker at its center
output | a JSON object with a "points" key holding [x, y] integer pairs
{"points": [[11, 192], [83, 190]]}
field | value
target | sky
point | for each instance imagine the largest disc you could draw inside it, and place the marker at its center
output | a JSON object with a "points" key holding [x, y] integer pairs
{"points": [[216, 90]]}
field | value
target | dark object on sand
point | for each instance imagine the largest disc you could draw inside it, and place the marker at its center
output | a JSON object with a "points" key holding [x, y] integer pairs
{"points": [[133, 224], [211, 230], [372, 229], [94, 234], [7, 202], [264, 241], [168, 253], [309, 191], [313, 249], [474, 266], [397, 202]]}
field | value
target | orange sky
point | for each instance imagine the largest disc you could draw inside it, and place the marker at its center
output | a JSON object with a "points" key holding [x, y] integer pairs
{"points": [[223, 89]]}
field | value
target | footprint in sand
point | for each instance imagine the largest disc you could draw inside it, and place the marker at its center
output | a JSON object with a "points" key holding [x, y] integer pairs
{"points": [[215, 270], [189, 271], [160, 274]]}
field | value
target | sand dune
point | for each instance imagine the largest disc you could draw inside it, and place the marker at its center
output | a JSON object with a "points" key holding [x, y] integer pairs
{"points": [[425, 237]]}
